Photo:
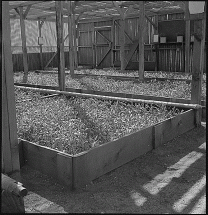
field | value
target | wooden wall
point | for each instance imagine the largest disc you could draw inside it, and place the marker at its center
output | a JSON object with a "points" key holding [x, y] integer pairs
{"points": [[93, 44]]}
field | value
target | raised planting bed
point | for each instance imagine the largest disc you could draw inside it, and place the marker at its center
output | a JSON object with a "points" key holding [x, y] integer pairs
{"points": [[79, 139], [173, 89]]}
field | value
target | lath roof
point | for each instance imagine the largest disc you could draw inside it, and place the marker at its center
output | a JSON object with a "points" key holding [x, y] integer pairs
{"points": [[94, 9]]}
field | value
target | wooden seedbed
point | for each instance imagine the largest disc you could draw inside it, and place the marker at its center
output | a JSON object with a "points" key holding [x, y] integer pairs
{"points": [[119, 95], [78, 170]]}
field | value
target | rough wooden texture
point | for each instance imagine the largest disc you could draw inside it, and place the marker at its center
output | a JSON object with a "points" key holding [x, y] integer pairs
{"points": [[196, 74], [173, 127], [49, 161], [187, 38], [24, 46], [122, 44], [70, 32], [41, 48], [141, 39], [60, 44], [103, 159], [10, 152]]}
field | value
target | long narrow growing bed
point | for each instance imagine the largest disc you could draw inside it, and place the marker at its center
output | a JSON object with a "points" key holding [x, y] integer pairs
{"points": [[174, 89]]}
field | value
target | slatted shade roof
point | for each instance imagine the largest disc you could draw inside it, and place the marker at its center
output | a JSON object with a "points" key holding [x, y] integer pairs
{"points": [[88, 10]]}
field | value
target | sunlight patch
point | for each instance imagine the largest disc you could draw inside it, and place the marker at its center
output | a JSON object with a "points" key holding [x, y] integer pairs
{"points": [[139, 200], [188, 196], [176, 170], [203, 146], [200, 206]]}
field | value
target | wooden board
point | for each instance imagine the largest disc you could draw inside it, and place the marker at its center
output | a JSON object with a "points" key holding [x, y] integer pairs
{"points": [[171, 128], [48, 161], [121, 95], [100, 160]]}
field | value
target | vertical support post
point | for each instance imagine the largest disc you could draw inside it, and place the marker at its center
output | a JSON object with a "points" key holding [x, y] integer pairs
{"points": [[203, 39], [24, 47], [187, 38], [75, 41], [122, 44], [70, 32], [112, 42], [41, 48], [10, 151], [60, 44], [141, 39], [156, 46], [196, 73], [93, 46]]}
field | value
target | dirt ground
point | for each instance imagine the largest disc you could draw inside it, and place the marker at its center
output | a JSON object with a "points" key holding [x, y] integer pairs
{"points": [[170, 179]]}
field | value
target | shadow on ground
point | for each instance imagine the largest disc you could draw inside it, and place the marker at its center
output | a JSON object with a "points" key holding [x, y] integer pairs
{"points": [[170, 179]]}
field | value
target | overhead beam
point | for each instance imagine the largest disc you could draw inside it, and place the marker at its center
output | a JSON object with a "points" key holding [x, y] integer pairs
{"points": [[141, 39], [25, 4], [60, 44], [24, 46]]}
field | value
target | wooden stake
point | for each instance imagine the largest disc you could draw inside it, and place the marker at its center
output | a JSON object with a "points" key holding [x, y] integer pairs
{"points": [[60, 44], [141, 39], [24, 46], [187, 38], [10, 151]]}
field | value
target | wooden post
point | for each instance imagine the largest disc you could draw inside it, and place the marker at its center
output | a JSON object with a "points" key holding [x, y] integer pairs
{"points": [[203, 39], [141, 39], [112, 42], [70, 32], [10, 151], [122, 45], [60, 44], [156, 46], [187, 38], [24, 46], [198, 49], [196, 73], [40, 24]]}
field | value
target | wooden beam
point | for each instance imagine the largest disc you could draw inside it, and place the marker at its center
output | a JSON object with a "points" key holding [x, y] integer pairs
{"points": [[151, 22], [141, 39], [10, 150], [112, 42], [122, 45], [196, 73], [203, 40], [54, 54], [187, 38], [26, 11], [119, 9], [60, 44], [24, 4], [124, 31], [40, 24], [24, 46], [70, 32]]}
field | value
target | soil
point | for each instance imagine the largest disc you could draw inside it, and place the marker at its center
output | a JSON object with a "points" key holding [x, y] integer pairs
{"points": [[123, 190]]}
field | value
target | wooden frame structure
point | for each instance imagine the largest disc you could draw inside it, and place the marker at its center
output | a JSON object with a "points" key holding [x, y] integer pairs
{"points": [[78, 170], [82, 11]]}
